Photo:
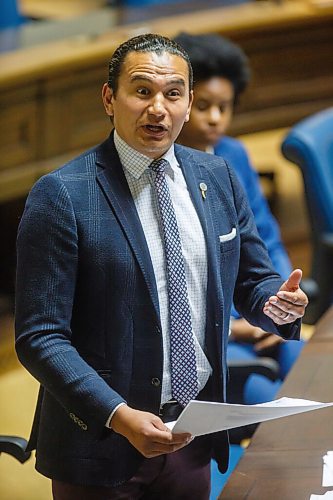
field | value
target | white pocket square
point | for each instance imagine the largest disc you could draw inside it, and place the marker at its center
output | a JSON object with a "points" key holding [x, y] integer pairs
{"points": [[228, 236]]}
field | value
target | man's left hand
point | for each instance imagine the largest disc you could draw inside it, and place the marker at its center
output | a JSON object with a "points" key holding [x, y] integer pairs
{"points": [[289, 303]]}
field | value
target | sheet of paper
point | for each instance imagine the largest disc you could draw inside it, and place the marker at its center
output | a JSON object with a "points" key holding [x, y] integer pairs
{"points": [[328, 469], [201, 417], [327, 496]]}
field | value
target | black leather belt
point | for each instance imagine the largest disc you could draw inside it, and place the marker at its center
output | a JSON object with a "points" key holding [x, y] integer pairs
{"points": [[170, 410]]}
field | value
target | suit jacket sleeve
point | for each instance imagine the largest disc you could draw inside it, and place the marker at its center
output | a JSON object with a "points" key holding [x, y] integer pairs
{"points": [[47, 251], [257, 280], [236, 155]]}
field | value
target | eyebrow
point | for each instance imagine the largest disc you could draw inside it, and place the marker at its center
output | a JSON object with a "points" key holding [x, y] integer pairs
{"points": [[176, 81]]}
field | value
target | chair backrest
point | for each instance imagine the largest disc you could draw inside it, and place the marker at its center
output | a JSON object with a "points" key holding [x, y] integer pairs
{"points": [[309, 144], [9, 14]]}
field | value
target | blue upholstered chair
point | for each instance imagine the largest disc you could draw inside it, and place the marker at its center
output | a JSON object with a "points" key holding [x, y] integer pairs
{"points": [[9, 14], [10, 25], [309, 144], [219, 480]]}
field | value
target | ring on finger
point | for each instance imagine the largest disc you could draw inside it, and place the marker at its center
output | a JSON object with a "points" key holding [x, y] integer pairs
{"points": [[287, 317]]}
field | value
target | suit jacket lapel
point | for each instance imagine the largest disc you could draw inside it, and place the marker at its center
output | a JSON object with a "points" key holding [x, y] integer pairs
{"points": [[113, 182], [195, 174]]}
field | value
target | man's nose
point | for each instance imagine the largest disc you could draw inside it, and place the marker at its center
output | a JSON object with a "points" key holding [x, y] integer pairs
{"points": [[157, 105]]}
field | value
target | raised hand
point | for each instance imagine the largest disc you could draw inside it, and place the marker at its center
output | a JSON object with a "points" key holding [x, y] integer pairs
{"points": [[289, 303]]}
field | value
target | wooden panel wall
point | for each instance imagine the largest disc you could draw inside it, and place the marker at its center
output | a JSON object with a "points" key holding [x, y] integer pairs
{"points": [[50, 96], [292, 74], [18, 126]]}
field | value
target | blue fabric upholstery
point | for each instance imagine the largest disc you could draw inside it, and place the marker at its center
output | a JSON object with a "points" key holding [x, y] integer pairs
{"points": [[9, 14], [219, 480], [309, 144], [258, 388]]}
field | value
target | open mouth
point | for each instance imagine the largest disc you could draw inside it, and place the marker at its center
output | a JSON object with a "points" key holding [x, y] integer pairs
{"points": [[155, 129]]}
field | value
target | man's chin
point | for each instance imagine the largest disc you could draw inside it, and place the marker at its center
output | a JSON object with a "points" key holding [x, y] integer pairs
{"points": [[154, 146], [154, 149]]}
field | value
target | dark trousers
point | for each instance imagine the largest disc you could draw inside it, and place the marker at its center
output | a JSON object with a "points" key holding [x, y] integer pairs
{"points": [[182, 475]]}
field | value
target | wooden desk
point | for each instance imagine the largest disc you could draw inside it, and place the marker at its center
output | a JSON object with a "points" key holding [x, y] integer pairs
{"points": [[284, 459], [324, 329]]}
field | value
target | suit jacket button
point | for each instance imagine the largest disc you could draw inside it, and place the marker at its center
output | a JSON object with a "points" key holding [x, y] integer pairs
{"points": [[156, 382]]}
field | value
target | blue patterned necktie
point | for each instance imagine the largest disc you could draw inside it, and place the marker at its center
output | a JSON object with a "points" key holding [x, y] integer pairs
{"points": [[184, 377]]}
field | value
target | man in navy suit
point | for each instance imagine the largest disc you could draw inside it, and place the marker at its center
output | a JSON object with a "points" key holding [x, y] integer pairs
{"points": [[93, 295]]}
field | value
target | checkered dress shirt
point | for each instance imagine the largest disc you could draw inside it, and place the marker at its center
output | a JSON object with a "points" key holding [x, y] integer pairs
{"points": [[141, 184]]}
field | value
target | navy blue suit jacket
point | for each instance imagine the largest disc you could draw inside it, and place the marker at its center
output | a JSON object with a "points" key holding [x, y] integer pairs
{"points": [[87, 314]]}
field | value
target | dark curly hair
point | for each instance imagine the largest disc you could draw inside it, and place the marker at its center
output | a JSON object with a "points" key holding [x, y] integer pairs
{"points": [[145, 43], [213, 55]]}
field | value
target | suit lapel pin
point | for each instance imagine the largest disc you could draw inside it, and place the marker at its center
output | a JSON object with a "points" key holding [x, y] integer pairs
{"points": [[203, 189]]}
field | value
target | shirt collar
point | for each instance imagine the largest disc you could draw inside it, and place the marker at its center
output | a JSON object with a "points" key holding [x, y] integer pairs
{"points": [[136, 163]]}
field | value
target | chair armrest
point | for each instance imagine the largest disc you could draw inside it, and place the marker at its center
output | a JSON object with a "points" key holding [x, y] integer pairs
{"points": [[242, 369], [15, 446]]}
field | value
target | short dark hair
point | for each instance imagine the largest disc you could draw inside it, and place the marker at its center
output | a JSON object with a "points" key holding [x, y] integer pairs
{"points": [[145, 43], [213, 55]]}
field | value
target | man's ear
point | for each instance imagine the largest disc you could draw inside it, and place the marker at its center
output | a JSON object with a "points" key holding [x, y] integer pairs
{"points": [[107, 97]]}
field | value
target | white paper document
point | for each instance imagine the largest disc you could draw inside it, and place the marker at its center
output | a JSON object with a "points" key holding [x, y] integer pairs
{"points": [[328, 469], [327, 496], [201, 417]]}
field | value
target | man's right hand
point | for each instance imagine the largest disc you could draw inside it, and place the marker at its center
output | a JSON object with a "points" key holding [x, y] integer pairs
{"points": [[146, 432]]}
